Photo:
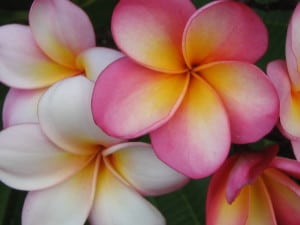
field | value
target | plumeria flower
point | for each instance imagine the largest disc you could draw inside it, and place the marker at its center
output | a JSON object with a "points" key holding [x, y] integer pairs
{"points": [[75, 171], [255, 188], [285, 75], [188, 79], [58, 43]]}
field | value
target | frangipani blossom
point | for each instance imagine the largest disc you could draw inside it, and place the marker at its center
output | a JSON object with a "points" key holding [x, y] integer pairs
{"points": [[75, 171], [254, 188], [285, 76], [188, 80], [58, 43]]}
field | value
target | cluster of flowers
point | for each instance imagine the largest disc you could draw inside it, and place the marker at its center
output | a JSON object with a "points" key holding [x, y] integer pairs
{"points": [[185, 76]]}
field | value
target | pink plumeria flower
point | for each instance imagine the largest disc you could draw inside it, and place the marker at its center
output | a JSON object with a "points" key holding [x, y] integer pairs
{"points": [[188, 80], [58, 43], [285, 76], [255, 188], [75, 171]]}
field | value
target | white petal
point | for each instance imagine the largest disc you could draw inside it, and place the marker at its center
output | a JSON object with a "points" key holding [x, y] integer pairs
{"points": [[137, 163], [20, 106], [29, 161], [117, 204], [95, 60], [67, 203], [66, 118]]}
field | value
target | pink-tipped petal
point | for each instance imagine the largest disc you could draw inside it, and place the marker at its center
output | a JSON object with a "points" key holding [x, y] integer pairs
{"points": [[285, 195], [224, 30], [292, 49], [20, 106], [288, 166], [94, 60], [66, 118], [29, 161], [61, 29], [218, 210], [23, 64], [247, 168], [150, 31], [196, 140], [67, 203], [249, 97], [130, 100], [139, 166], [260, 206], [115, 203], [296, 148], [289, 100]]}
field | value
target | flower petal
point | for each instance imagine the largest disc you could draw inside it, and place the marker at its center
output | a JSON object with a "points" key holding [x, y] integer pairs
{"points": [[117, 204], [95, 60], [247, 168], [218, 210], [249, 97], [285, 199], [289, 100], [224, 30], [67, 203], [61, 29], [292, 49], [66, 118], [150, 32], [260, 205], [23, 64], [29, 161], [187, 142], [288, 166], [132, 108], [20, 106], [137, 164], [296, 148]]}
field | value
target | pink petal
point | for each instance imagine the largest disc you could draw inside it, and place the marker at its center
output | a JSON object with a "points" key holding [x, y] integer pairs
{"points": [[145, 101], [61, 29], [29, 161], [117, 204], [67, 203], [218, 210], [20, 106], [150, 31], [249, 97], [292, 49], [288, 166], [286, 201], [66, 118], [247, 168], [289, 100], [296, 148], [23, 64], [137, 164], [196, 140], [260, 205], [95, 60], [224, 30]]}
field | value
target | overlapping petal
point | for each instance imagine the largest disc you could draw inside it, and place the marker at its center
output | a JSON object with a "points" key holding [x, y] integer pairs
{"points": [[138, 165], [20, 106], [130, 100], [29, 161], [95, 60], [249, 97], [115, 203], [23, 64], [155, 40], [67, 203], [285, 197], [66, 118], [218, 210], [224, 30], [292, 49], [187, 142], [61, 29]]}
